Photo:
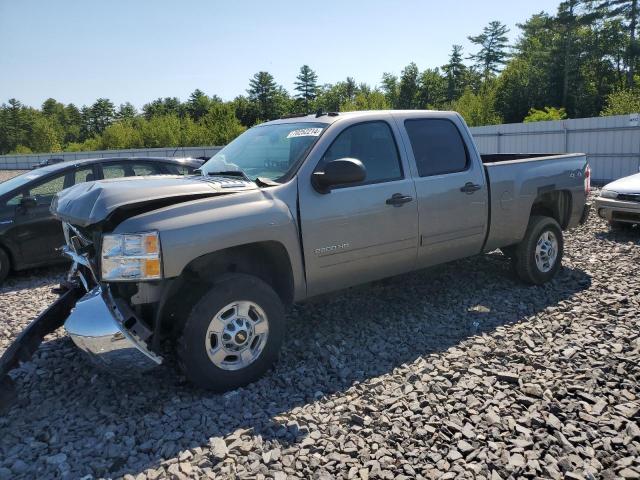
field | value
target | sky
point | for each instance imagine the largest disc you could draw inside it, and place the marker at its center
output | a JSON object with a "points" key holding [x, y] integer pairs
{"points": [[138, 50]]}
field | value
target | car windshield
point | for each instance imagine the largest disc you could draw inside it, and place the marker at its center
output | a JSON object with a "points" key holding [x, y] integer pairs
{"points": [[268, 151], [17, 182]]}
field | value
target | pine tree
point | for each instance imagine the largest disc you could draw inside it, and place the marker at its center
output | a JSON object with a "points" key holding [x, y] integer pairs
{"points": [[263, 91], [408, 94], [306, 85], [629, 12], [390, 88], [493, 48], [455, 72]]}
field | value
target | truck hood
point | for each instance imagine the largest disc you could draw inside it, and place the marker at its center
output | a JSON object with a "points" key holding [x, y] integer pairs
{"points": [[630, 184], [94, 202]]}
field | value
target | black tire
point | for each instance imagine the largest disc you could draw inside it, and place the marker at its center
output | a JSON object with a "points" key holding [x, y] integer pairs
{"points": [[192, 350], [613, 225], [5, 265], [525, 257]]}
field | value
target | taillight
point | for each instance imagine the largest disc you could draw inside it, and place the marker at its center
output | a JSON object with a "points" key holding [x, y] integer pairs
{"points": [[587, 180]]}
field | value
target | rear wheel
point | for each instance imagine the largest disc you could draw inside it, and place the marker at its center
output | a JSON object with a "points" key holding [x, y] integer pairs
{"points": [[5, 265], [539, 256], [233, 334]]}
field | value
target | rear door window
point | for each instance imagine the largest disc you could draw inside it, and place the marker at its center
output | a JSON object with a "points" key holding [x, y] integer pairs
{"points": [[437, 146], [129, 169], [141, 169]]}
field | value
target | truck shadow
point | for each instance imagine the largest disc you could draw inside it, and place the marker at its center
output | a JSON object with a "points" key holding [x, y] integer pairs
{"points": [[110, 426], [629, 234]]}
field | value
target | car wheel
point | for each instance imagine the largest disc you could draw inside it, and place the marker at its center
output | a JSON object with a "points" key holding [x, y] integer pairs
{"points": [[539, 256], [5, 265], [613, 225], [233, 334]]}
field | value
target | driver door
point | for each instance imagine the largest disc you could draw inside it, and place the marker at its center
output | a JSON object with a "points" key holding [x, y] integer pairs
{"points": [[358, 233]]}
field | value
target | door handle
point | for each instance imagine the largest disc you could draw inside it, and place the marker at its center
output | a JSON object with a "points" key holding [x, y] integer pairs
{"points": [[398, 199], [470, 188]]}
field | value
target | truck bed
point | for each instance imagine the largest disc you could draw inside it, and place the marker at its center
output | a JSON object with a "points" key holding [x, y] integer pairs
{"points": [[516, 181], [492, 158]]}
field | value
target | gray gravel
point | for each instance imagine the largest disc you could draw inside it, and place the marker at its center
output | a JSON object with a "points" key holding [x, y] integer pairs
{"points": [[7, 174], [457, 372]]}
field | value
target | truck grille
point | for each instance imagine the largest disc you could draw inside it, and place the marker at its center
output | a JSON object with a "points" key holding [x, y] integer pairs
{"points": [[629, 197]]}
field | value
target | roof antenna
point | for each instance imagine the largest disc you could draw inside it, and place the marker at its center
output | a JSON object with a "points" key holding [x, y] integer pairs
{"points": [[319, 113]]}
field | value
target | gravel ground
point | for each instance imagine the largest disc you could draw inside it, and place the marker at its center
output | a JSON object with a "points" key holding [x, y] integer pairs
{"points": [[455, 372], [7, 174]]}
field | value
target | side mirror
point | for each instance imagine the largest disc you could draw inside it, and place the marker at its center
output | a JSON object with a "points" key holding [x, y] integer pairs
{"points": [[28, 202], [338, 172]]}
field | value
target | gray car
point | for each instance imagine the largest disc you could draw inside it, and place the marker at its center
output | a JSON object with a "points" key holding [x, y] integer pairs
{"points": [[619, 202], [294, 209]]}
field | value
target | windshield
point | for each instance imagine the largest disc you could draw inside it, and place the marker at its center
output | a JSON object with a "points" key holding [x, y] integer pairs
{"points": [[16, 182], [269, 151]]}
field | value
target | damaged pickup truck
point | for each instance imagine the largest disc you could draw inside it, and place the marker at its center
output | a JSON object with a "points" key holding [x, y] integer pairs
{"points": [[290, 210]]}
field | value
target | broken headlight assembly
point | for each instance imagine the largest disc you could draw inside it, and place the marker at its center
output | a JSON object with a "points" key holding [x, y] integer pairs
{"points": [[131, 256]]}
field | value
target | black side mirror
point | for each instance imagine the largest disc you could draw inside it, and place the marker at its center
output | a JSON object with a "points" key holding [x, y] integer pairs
{"points": [[28, 202], [339, 172]]}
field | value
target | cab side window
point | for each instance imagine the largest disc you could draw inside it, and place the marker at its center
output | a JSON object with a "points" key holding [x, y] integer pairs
{"points": [[373, 144], [437, 146]]}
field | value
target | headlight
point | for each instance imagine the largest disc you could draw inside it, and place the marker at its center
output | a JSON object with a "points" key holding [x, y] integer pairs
{"points": [[608, 194], [131, 256]]}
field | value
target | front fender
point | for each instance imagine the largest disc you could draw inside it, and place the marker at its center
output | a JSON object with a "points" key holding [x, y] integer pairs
{"points": [[193, 229]]}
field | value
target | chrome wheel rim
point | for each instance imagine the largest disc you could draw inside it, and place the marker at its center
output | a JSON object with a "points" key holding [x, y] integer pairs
{"points": [[237, 335], [546, 251]]}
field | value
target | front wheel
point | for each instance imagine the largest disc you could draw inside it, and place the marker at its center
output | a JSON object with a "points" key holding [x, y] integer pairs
{"points": [[539, 256], [233, 334], [5, 265]]}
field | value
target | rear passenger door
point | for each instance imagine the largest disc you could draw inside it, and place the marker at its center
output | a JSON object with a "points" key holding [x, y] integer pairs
{"points": [[450, 186], [358, 232]]}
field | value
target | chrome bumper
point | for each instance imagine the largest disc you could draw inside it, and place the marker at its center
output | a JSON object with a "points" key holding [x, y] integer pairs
{"points": [[96, 326], [617, 210]]}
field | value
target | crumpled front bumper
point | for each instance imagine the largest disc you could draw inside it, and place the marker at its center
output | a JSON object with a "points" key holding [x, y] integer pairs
{"points": [[96, 326]]}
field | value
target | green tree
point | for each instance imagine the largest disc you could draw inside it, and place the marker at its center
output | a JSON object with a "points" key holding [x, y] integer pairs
{"points": [[478, 109], [15, 127], [629, 12], [122, 134], [408, 91], [263, 91], [432, 89], [455, 73], [126, 111], [220, 124], [73, 124], [493, 43], [622, 102], [44, 136], [546, 114], [246, 111], [101, 114], [199, 103], [306, 85], [162, 107], [390, 89], [366, 99], [162, 131]]}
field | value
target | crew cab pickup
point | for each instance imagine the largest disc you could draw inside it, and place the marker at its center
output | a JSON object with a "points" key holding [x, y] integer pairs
{"points": [[293, 209]]}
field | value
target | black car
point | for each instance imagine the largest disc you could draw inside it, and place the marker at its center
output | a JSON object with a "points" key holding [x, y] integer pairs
{"points": [[48, 161], [29, 234]]}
